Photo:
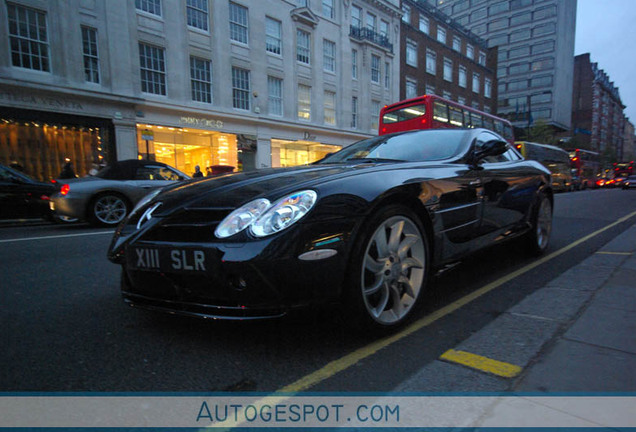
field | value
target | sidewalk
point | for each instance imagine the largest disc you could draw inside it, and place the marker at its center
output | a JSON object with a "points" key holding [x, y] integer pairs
{"points": [[576, 334]]}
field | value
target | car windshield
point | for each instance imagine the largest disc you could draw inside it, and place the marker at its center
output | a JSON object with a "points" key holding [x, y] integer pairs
{"points": [[416, 146]]}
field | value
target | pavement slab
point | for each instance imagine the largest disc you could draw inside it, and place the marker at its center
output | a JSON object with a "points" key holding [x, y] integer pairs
{"points": [[557, 304]]}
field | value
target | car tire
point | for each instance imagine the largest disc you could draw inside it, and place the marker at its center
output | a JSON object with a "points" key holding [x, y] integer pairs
{"points": [[108, 209], [538, 238], [389, 269]]}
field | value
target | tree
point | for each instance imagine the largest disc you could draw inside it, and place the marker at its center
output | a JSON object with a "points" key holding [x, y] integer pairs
{"points": [[542, 133]]}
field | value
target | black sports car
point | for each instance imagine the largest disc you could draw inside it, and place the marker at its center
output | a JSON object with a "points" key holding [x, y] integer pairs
{"points": [[22, 197], [365, 226]]}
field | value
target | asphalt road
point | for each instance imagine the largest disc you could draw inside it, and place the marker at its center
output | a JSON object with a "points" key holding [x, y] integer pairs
{"points": [[65, 327]]}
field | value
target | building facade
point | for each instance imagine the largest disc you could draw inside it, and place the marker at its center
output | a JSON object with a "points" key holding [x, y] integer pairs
{"points": [[438, 56], [598, 120], [536, 54], [248, 84], [629, 141]]}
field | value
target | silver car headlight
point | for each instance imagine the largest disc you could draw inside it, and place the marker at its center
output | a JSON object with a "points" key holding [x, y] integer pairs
{"points": [[284, 213], [241, 218], [145, 200]]}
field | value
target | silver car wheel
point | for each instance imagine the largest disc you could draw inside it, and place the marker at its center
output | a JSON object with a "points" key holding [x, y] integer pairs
{"points": [[544, 224], [393, 270], [110, 209]]}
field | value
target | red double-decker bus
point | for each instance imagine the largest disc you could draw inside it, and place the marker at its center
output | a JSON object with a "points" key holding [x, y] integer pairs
{"points": [[622, 170], [434, 112], [586, 167]]}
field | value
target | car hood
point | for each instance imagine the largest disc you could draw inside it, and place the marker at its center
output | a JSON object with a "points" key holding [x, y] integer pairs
{"points": [[232, 190]]}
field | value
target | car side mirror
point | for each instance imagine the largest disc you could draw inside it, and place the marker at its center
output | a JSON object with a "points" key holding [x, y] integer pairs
{"points": [[490, 148]]}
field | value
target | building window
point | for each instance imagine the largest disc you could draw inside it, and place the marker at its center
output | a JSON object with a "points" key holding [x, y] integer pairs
{"points": [[153, 69], [327, 9], [500, 7], [522, 51], [462, 76], [150, 6], [275, 96], [448, 69], [487, 87], [431, 59], [543, 47], [470, 52], [304, 102], [411, 52], [461, 100], [482, 58], [328, 55], [330, 108], [240, 88], [375, 115], [520, 19], [354, 112], [201, 80], [424, 25], [238, 23], [457, 43], [28, 38], [273, 34], [197, 13], [384, 28], [302, 46], [354, 64], [446, 95], [371, 21], [411, 88], [406, 13], [91, 56], [387, 75], [441, 35], [375, 68], [356, 17], [475, 82], [430, 89], [302, 3]]}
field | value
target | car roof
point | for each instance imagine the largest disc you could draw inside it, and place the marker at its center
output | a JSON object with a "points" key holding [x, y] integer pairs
{"points": [[126, 169]]}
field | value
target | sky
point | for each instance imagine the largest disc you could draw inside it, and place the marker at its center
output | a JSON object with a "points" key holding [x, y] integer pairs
{"points": [[607, 30]]}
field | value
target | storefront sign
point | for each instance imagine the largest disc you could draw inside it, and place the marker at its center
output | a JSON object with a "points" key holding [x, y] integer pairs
{"points": [[147, 135], [52, 102], [201, 122]]}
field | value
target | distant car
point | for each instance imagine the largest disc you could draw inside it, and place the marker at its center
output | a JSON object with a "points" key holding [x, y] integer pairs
{"points": [[630, 182], [108, 197], [604, 182], [22, 197]]}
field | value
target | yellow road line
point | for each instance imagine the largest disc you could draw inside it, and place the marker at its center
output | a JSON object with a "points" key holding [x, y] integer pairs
{"points": [[613, 253], [354, 357], [481, 363]]}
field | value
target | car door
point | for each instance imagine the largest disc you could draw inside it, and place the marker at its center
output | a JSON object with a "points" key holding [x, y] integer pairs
{"points": [[509, 185]]}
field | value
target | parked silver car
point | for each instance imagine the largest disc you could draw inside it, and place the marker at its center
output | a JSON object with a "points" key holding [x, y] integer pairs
{"points": [[106, 198]]}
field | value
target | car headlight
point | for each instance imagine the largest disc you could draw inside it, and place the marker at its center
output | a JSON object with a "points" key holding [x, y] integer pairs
{"points": [[241, 218], [145, 200], [283, 213]]}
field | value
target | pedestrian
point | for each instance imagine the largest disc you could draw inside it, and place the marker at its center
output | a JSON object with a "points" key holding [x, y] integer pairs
{"points": [[208, 171], [197, 172], [67, 171]]}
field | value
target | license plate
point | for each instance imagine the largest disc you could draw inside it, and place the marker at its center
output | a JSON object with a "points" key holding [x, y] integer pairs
{"points": [[168, 260]]}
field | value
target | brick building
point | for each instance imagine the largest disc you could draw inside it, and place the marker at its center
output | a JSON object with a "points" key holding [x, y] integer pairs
{"points": [[438, 56], [598, 121]]}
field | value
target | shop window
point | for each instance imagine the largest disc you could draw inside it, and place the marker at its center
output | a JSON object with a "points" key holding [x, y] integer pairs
{"points": [[294, 153]]}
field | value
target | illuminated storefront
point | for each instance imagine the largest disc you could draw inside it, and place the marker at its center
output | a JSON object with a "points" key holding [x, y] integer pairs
{"points": [[292, 153], [185, 148], [40, 143]]}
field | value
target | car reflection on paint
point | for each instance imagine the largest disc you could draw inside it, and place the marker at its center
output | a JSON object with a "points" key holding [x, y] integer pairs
{"points": [[365, 227], [22, 197]]}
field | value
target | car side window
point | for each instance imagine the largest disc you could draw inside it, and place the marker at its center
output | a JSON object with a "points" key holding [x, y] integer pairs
{"points": [[169, 174], [149, 172], [8, 177]]}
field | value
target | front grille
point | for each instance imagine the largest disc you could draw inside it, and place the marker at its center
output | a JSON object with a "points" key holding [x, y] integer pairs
{"points": [[187, 226]]}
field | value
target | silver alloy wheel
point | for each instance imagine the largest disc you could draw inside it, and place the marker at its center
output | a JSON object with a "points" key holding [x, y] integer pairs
{"points": [[110, 209], [544, 223], [393, 270]]}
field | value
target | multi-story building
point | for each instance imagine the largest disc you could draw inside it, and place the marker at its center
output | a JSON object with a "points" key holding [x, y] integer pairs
{"points": [[438, 56], [536, 50], [629, 148], [248, 84], [598, 121]]}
